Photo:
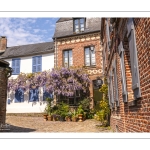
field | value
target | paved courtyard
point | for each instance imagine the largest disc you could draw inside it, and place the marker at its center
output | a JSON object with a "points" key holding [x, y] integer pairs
{"points": [[37, 124]]}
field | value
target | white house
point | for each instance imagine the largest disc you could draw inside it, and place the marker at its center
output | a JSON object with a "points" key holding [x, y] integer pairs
{"points": [[27, 59]]}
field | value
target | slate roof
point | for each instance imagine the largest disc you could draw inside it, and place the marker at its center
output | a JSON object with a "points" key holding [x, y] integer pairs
{"points": [[63, 19], [28, 50], [64, 27]]}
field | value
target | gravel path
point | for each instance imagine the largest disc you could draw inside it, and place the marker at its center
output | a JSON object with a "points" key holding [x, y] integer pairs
{"points": [[37, 124]]}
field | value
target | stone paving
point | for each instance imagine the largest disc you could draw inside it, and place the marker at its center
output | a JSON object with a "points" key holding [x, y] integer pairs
{"points": [[37, 124]]}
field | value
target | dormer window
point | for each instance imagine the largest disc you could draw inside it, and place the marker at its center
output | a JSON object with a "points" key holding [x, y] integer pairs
{"points": [[79, 25]]}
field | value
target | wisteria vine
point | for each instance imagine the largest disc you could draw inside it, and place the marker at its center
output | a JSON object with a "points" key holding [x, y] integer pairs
{"points": [[62, 81]]}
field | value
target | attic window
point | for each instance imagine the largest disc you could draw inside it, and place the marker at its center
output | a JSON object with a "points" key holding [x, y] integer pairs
{"points": [[79, 25]]}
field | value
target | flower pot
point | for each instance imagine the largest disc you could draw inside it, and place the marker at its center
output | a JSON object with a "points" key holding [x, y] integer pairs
{"points": [[67, 118], [80, 116], [45, 117], [74, 119], [49, 118], [61, 118]]}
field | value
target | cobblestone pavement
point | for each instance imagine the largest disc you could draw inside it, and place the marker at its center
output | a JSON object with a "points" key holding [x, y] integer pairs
{"points": [[37, 124]]}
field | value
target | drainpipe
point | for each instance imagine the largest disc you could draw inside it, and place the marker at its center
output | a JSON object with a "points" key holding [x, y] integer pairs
{"points": [[55, 53]]}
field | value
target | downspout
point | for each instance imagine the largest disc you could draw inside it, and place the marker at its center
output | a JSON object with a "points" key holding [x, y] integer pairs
{"points": [[55, 53]]}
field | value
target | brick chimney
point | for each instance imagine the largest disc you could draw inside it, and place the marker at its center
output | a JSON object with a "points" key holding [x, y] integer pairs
{"points": [[3, 43]]}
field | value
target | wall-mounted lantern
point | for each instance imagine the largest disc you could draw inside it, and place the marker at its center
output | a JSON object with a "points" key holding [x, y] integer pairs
{"points": [[97, 83], [92, 47]]}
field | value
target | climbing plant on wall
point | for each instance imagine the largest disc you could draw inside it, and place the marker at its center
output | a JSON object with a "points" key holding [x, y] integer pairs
{"points": [[60, 81]]}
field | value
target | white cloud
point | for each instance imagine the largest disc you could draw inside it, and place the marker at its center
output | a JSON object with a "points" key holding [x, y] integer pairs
{"points": [[19, 31]]}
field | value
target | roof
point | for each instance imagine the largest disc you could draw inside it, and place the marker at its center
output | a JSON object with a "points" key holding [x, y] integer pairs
{"points": [[64, 27], [63, 19], [28, 50]]}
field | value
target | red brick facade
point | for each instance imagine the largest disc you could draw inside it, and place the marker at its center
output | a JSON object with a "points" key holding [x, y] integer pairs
{"points": [[77, 45], [133, 115]]}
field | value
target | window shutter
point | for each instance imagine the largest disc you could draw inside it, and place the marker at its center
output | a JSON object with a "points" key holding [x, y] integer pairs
{"points": [[39, 64], [107, 33], [33, 64], [17, 66], [133, 59], [13, 66], [123, 77], [116, 83], [109, 91]]}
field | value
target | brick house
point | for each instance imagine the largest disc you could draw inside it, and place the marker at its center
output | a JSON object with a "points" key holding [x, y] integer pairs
{"points": [[126, 64], [77, 43]]}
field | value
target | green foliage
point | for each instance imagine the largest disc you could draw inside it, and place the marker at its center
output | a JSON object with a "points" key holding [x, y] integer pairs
{"points": [[63, 109], [104, 112], [48, 109], [85, 104], [80, 110]]}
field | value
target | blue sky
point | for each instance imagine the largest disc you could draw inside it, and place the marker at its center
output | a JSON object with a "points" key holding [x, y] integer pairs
{"points": [[22, 31]]}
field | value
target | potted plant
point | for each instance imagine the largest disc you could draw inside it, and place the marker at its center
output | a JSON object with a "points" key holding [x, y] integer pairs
{"points": [[63, 110], [49, 100], [69, 116], [74, 116], [49, 117], [45, 114], [80, 113]]}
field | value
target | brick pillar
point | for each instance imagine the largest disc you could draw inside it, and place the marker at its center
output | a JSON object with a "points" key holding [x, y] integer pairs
{"points": [[3, 43]]}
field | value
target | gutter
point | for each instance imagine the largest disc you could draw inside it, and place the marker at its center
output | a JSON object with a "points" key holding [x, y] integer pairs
{"points": [[76, 34]]}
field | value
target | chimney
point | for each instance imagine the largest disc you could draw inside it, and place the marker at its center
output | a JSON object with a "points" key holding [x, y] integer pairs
{"points": [[3, 43]]}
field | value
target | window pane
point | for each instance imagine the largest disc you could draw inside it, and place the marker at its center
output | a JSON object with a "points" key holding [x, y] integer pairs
{"points": [[82, 25], [70, 58], [81, 21], [76, 26], [92, 57], [76, 21], [65, 58], [77, 30], [82, 29], [87, 57]]}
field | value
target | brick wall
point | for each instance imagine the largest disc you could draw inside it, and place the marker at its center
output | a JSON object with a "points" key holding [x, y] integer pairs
{"points": [[77, 45], [3, 95], [134, 115]]}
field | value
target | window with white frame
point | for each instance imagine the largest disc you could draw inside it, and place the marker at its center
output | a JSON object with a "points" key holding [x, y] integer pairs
{"points": [[90, 56], [79, 25], [67, 58]]}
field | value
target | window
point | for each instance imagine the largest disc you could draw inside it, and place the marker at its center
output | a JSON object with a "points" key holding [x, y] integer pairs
{"points": [[79, 25], [37, 64], [72, 100], [89, 56], [68, 60], [19, 96], [16, 66], [123, 77], [133, 59]]}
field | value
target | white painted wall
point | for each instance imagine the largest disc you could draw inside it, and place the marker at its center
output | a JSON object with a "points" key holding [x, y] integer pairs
{"points": [[26, 63], [26, 67]]}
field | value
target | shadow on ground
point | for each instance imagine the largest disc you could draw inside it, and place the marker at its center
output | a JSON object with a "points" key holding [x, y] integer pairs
{"points": [[12, 128]]}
